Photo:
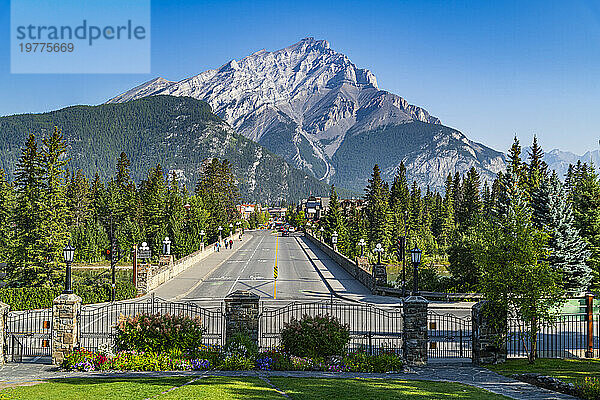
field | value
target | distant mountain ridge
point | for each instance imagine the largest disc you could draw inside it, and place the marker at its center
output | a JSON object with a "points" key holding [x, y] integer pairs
{"points": [[559, 160], [177, 132], [323, 114]]}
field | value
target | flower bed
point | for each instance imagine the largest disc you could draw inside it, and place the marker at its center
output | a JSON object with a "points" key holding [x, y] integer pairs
{"points": [[216, 358]]}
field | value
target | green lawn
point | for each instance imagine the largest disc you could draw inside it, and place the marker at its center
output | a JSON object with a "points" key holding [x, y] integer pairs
{"points": [[221, 388], [566, 370]]}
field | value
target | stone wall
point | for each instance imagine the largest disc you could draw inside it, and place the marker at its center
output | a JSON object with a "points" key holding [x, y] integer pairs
{"points": [[65, 326], [241, 314], [489, 346], [360, 274], [415, 335], [3, 340]]}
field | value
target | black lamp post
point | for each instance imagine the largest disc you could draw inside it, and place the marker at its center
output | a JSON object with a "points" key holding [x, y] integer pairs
{"points": [[362, 245], [321, 230], [416, 260], [68, 253], [202, 233], [167, 246], [220, 234], [231, 229]]}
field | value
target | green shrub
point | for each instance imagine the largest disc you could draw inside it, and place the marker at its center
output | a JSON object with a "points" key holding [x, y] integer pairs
{"points": [[159, 333], [29, 298], [589, 389], [319, 336], [364, 362]]}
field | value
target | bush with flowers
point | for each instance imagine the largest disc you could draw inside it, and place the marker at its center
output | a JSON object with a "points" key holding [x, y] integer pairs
{"points": [[158, 332], [315, 336]]}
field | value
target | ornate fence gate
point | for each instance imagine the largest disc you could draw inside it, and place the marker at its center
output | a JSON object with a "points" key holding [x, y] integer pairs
{"points": [[98, 323], [371, 328], [449, 336], [29, 335]]}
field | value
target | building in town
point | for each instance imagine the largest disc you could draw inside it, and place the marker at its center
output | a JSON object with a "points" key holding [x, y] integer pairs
{"points": [[245, 210], [314, 207]]}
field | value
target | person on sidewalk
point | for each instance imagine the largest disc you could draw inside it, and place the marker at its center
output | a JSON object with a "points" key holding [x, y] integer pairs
{"points": [[231, 243], [226, 243]]}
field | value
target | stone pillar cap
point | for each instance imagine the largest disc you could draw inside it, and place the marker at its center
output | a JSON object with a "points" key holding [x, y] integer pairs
{"points": [[242, 294], [415, 299]]}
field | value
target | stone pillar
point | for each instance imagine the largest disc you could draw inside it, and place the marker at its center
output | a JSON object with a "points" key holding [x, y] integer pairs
{"points": [[488, 340], [415, 336], [241, 314], [65, 326], [143, 279], [3, 326], [380, 274]]}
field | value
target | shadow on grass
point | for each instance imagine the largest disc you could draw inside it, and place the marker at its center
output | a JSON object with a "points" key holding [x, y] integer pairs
{"points": [[376, 389]]}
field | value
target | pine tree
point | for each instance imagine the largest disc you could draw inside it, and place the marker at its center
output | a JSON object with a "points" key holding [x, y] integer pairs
{"points": [[377, 210], [153, 195], [567, 250], [334, 221], [585, 195], [54, 210], [537, 170], [27, 265], [470, 206], [78, 199]]}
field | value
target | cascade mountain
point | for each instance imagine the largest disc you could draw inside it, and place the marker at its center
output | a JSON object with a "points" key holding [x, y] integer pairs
{"points": [[177, 132], [315, 108]]}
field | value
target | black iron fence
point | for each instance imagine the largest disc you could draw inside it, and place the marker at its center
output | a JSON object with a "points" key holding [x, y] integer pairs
{"points": [[566, 337], [449, 336], [98, 323], [371, 328], [29, 335]]}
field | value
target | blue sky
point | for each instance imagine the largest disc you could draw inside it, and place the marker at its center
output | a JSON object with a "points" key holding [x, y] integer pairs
{"points": [[489, 69]]}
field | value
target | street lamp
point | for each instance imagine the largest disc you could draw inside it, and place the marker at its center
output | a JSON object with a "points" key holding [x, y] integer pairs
{"points": [[362, 245], [379, 250], [167, 246], [68, 253], [187, 206], [220, 236], [334, 238], [230, 228], [415, 255], [202, 233], [322, 230]]}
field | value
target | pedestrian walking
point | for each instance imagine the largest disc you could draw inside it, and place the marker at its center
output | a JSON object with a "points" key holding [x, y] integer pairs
{"points": [[231, 243], [226, 243]]}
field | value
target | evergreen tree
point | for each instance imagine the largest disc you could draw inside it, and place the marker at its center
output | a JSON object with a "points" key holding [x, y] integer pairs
{"points": [[567, 251], [334, 221], [537, 170], [585, 195], [153, 195], [27, 265], [54, 211], [377, 210]]}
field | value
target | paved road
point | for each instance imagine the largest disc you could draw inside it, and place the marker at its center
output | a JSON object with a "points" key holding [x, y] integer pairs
{"points": [[305, 274]]}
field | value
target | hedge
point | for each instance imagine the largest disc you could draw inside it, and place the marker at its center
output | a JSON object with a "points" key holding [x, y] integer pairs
{"points": [[29, 298]]}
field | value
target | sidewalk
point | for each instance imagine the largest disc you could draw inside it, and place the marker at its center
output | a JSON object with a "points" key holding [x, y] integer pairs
{"points": [[20, 374], [184, 283]]}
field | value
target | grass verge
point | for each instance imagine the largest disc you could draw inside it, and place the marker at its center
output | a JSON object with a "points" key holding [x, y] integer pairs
{"points": [[221, 388], [572, 371]]}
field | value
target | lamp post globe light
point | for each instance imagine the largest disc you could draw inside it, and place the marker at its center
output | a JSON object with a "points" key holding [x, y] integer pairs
{"points": [[230, 228], [202, 233], [68, 254], [378, 250], [220, 233], [334, 238], [415, 255], [167, 246], [362, 245], [322, 230], [187, 206]]}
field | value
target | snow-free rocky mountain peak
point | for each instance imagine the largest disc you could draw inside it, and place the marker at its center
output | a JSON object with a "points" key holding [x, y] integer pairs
{"points": [[313, 106]]}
